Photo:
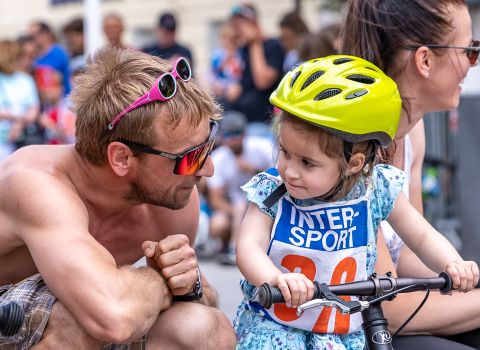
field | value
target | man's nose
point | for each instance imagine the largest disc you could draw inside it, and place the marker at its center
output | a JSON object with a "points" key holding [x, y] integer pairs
{"points": [[207, 168]]}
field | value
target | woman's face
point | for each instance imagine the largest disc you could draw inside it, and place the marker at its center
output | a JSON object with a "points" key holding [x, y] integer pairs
{"points": [[452, 65]]}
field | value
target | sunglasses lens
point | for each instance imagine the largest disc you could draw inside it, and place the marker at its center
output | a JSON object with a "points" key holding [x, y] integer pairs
{"points": [[192, 161], [473, 53], [183, 69], [167, 85]]}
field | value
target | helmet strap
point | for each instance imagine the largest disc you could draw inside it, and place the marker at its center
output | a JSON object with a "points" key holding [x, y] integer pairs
{"points": [[373, 152], [347, 150]]}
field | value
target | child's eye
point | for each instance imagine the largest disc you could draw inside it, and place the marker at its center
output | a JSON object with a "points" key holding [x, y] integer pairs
{"points": [[284, 152], [307, 163]]}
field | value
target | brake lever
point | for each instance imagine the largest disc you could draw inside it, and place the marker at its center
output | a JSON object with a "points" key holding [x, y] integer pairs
{"points": [[354, 306], [331, 300]]}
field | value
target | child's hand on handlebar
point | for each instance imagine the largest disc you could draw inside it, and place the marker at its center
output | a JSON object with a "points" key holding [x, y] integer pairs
{"points": [[464, 274], [295, 287]]}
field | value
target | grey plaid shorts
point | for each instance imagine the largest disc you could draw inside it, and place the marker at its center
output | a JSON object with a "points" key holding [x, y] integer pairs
{"points": [[36, 300]]}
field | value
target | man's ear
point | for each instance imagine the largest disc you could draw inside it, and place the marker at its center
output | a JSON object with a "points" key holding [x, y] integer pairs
{"points": [[423, 59], [356, 163], [120, 158]]}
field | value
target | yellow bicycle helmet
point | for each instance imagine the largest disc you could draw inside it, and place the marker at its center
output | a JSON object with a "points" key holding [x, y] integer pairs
{"points": [[346, 95]]}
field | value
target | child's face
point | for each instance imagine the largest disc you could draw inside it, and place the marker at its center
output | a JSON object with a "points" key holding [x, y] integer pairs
{"points": [[306, 171]]}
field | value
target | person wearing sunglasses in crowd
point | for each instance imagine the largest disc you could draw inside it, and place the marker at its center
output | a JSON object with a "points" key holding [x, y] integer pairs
{"points": [[427, 48], [74, 218]]}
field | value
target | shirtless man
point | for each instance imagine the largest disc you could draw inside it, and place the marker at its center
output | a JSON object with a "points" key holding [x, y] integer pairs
{"points": [[74, 218]]}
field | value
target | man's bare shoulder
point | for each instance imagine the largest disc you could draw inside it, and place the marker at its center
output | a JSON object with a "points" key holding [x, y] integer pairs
{"points": [[34, 180], [37, 164]]}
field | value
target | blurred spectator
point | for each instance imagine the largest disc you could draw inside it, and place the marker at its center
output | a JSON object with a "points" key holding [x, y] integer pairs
{"points": [[167, 46], [226, 68], [113, 30], [238, 158], [27, 54], [292, 30], [332, 32], [263, 61], [57, 118], [73, 32], [314, 46], [49, 53], [19, 103]]}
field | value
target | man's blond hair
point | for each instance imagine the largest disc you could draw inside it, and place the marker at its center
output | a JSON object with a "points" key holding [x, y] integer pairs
{"points": [[115, 78]]}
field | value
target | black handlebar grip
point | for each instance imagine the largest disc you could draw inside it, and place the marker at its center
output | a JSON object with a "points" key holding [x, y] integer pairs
{"points": [[11, 319], [448, 283], [268, 295]]}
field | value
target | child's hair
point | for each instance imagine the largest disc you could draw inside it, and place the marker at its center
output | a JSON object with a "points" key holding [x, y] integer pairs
{"points": [[332, 146]]}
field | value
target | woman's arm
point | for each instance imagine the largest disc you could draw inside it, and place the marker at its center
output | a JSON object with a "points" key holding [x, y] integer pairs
{"points": [[409, 265], [417, 139], [463, 309], [420, 236]]}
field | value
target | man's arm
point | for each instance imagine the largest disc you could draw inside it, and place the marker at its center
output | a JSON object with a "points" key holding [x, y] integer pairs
{"points": [[111, 304], [174, 256]]}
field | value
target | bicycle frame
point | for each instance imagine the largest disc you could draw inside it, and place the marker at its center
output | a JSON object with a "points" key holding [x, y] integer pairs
{"points": [[376, 289]]}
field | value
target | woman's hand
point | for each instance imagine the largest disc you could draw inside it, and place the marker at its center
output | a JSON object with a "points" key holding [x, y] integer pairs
{"points": [[295, 287]]}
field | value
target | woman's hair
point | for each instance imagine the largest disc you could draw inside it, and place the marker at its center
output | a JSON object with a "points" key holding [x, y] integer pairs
{"points": [[9, 54], [332, 146], [293, 21], [315, 45], [377, 29], [114, 79]]}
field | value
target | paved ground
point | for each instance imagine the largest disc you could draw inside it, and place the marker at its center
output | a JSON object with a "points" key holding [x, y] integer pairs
{"points": [[225, 279]]}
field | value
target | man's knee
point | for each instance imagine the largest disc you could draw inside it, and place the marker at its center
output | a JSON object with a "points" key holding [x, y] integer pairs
{"points": [[192, 326], [62, 329]]}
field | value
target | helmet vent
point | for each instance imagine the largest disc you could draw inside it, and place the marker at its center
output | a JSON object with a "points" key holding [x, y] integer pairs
{"points": [[312, 78], [371, 69], [294, 78], [359, 78], [342, 60], [356, 94], [327, 94]]}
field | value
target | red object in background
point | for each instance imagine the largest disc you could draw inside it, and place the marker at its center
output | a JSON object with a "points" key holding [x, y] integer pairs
{"points": [[47, 78]]}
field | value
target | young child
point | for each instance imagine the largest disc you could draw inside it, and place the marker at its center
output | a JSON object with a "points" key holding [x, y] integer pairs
{"points": [[316, 216]]}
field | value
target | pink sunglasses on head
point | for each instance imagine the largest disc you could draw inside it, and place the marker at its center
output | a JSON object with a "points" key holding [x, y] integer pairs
{"points": [[162, 90]]}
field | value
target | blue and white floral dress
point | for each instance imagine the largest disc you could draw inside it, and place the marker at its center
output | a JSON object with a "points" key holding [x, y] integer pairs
{"points": [[331, 242]]}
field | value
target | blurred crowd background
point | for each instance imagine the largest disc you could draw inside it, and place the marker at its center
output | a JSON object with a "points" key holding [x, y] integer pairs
{"points": [[237, 50]]}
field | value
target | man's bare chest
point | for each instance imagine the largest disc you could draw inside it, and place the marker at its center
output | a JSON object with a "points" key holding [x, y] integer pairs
{"points": [[124, 238]]}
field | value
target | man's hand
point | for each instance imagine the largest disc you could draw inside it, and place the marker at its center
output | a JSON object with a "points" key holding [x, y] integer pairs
{"points": [[175, 259]]}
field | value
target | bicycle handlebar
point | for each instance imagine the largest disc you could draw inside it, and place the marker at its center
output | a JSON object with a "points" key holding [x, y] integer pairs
{"points": [[374, 286], [11, 319]]}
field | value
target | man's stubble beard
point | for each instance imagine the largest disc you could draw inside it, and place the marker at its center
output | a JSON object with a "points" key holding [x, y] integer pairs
{"points": [[161, 198]]}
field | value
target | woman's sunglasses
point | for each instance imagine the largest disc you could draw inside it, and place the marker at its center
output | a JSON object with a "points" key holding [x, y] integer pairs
{"points": [[190, 161], [162, 90], [472, 51]]}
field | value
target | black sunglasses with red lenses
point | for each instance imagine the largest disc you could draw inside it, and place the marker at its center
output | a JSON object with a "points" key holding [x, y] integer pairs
{"points": [[187, 163], [472, 51]]}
